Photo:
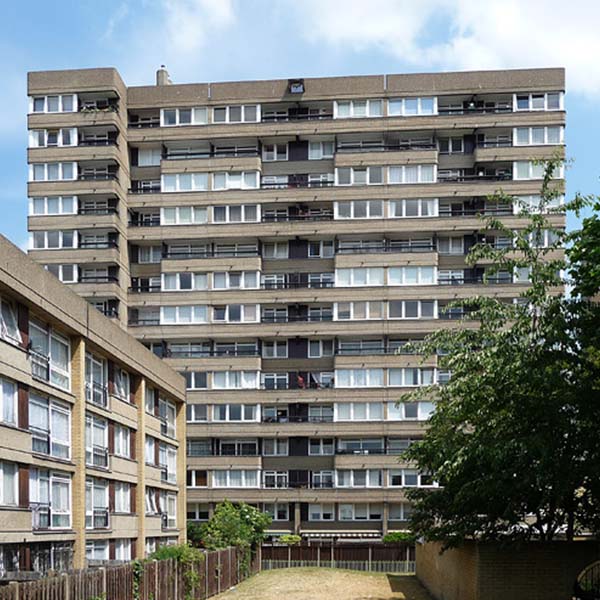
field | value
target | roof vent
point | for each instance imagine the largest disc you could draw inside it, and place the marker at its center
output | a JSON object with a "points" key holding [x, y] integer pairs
{"points": [[162, 76]]}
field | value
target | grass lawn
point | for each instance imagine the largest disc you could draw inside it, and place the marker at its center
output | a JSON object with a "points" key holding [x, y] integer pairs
{"points": [[326, 584]]}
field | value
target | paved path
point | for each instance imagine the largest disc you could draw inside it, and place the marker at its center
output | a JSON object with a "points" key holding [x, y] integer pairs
{"points": [[326, 584]]}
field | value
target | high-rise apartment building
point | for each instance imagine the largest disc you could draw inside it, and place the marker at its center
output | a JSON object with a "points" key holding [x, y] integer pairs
{"points": [[280, 242], [92, 431]]}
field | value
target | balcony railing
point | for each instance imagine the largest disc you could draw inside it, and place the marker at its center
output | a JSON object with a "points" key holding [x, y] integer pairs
{"points": [[298, 419], [385, 248], [145, 289], [96, 393], [321, 485], [473, 212], [145, 123], [110, 312], [464, 178], [144, 322], [374, 350], [399, 147], [288, 285], [296, 117], [153, 221], [360, 451], [294, 184], [108, 210], [100, 176], [235, 153], [98, 279], [148, 187], [326, 216], [495, 144], [469, 110], [295, 319], [176, 255], [99, 245], [475, 280], [210, 353], [97, 142]]}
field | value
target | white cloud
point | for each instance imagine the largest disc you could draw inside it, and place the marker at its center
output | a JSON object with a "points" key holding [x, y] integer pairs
{"points": [[494, 34]]}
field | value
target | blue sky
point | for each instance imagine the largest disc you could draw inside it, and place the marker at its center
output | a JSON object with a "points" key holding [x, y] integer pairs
{"points": [[224, 40]]}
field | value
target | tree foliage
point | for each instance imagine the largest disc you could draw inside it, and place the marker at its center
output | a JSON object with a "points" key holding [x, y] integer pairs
{"points": [[239, 525], [513, 441], [585, 257]]}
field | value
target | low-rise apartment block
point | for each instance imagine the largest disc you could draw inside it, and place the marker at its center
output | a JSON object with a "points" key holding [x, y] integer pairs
{"points": [[280, 243], [92, 431]]}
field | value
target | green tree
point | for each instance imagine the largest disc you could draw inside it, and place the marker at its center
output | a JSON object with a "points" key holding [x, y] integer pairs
{"points": [[239, 525], [513, 441], [584, 257]]}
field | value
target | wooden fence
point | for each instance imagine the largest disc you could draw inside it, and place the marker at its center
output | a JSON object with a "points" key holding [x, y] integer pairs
{"points": [[387, 558], [159, 580]]}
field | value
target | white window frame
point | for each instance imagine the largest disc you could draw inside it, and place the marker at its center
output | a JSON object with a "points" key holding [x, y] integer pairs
{"points": [[8, 402], [402, 107], [198, 314], [61, 168], [316, 512], [243, 209], [351, 508], [34, 137], [279, 152], [61, 240], [371, 214], [9, 323], [199, 182], [244, 275], [422, 203], [353, 317], [530, 101], [242, 116], [61, 103], [122, 497], [149, 254], [195, 278], [5, 468], [274, 509], [195, 117], [530, 142], [422, 277], [245, 479], [51, 407], [319, 150], [353, 112], [192, 409], [231, 180], [373, 276], [419, 312], [378, 416], [122, 441], [535, 171], [360, 377], [403, 170], [355, 170], [242, 380], [254, 408]]}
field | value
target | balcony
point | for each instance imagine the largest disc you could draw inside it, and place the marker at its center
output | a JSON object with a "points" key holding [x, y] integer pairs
{"points": [[291, 284], [473, 177], [385, 147], [364, 350], [96, 393], [295, 182], [476, 280], [98, 245], [145, 288], [475, 109], [99, 105], [233, 153], [98, 279], [95, 142], [285, 218], [97, 176], [144, 322], [211, 353], [177, 255], [144, 221], [144, 123], [296, 318], [298, 419], [104, 210], [297, 116], [388, 247], [150, 186]]}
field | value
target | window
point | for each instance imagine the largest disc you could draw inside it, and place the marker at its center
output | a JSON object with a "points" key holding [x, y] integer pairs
{"points": [[526, 169], [411, 107], [235, 412], [359, 209], [123, 549], [196, 413], [544, 238], [149, 254], [122, 497], [167, 461], [50, 356], [53, 205], [360, 512], [361, 446], [50, 425], [50, 492], [359, 276], [344, 109], [275, 349], [96, 441], [42, 138], [168, 506], [95, 380], [53, 104], [359, 176], [547, 101], [451, 245], [272, 152], [320, 150], [533, 203], [320, 446], [345, 311], [411, 275], [452, 145], [58, 171], [198, 512], [409, 411], [64, 273], [183, 215], [235, 280], [412, 309], [196, 380], [274, 447], [358, 411], [235, 478], [8, 402], [322, 249], [538, 136], [275, 381], [151, 501], [53, 240], [96, 503], [97, 550], [416, 207], [236, 180], [9, 328], [350, 378], [359, 478], [244, 213], [199, 447], [178, 315], [278, 511], [275, 479], [186, 281], [247, 113], [172, 117], [275, 250], [236, 313], [411, 377], [412, 174], [167, 413], [322, 480], [122, 441], [184, 182], [408, 478], [229, 447], [196, 477], [8, 484], [320, 348], [321, 512]]}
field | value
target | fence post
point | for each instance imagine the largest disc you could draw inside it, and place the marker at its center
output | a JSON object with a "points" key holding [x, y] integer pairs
{"points": [[15, 587], [155, 595], [370, 556], [319, 555], [206, 574], [66, 587], [332, 555], [219, 571], [289, 556]]}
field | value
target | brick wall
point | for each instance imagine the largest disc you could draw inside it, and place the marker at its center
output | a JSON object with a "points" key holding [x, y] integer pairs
{"points": [[530, 571]]}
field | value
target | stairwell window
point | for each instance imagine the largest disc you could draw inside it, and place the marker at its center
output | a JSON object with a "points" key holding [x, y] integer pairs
{"points": [[412, 107], [359, 176], [246, 113], [538, 136], [407, 174], [173, 117], [53, 104], [547, 101], [243, 213], [184, 182], [183, 215], [414, 207], [179, 315], [348, 109], [236, 180], [359, 209], [58, 171]]}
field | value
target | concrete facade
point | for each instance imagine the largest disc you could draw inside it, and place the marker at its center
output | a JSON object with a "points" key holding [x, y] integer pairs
{"points": [[73, 431], [278, 242]]}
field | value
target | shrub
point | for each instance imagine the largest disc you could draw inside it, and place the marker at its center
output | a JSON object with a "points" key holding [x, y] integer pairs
{"points": [[399, 537], [290, 539]]}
